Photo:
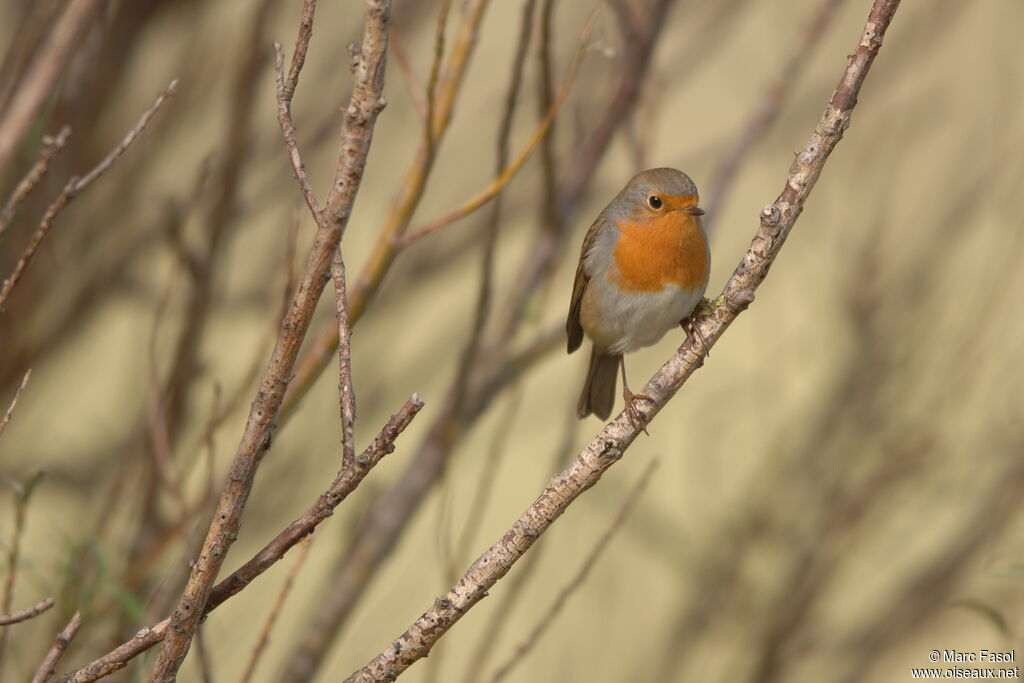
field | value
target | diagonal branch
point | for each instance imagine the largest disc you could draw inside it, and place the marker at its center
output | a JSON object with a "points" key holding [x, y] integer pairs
{"points": [[608, 447], [367, 101]]}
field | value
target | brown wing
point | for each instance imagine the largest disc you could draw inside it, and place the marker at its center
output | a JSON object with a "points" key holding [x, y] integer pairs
{"points": [[573, 328]]}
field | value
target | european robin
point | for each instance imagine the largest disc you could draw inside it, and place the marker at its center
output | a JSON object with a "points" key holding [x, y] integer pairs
{"points": [[643, 268]]}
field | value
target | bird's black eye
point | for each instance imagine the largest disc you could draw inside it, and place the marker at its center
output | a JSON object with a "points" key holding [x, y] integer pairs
{"points": [[654, 201]]}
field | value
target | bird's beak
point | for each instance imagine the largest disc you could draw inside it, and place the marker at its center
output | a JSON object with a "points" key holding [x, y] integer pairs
{"points": [[693, 210]]}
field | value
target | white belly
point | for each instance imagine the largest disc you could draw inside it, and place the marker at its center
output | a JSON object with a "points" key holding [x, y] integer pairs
{"points": [[625, 321]]}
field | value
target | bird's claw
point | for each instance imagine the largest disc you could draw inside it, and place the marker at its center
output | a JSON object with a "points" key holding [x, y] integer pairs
{"points": [[633, 413]]}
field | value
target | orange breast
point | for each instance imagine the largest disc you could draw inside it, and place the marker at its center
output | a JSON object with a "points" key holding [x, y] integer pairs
{"points": [[664, 249]]}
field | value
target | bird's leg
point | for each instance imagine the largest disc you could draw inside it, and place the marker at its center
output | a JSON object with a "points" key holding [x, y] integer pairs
{"points": [[689, 324], [631, 399]]}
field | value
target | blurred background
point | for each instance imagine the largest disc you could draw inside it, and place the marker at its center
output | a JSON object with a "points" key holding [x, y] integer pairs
{"points": [[838, 487]]}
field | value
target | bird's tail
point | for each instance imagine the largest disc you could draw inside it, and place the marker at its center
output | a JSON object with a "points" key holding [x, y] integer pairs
{"points": [[598, 395]]}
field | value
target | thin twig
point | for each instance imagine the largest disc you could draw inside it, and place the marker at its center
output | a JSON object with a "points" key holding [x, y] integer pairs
{"points": [[53, 656], [50, 148], [577, 580], [367, 101], [301, 47], [345, 388], [76, 185], [344, 483], [14, 401], [610, 444], [284, 118], [268, 626], [27, 613]]}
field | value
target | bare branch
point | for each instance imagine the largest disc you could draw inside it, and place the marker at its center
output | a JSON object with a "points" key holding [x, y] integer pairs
{"points": [[611, 443], [76, 185], [301, 47], [284, 118], [53, 656], [27, 613]]}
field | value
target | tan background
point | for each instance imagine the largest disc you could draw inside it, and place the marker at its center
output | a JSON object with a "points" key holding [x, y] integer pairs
{"points": [[918, 212]]}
